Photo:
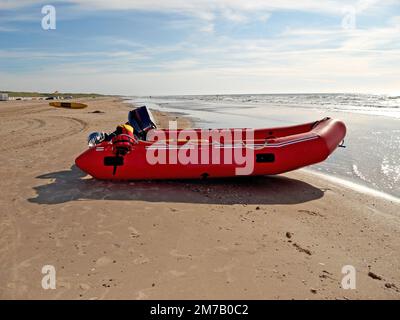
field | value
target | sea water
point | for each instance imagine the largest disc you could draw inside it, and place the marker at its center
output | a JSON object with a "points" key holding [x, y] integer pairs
{"points": [[372, 154]]}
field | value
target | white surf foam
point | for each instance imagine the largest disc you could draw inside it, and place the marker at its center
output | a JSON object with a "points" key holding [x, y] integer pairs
{"points": [[355, 186]]}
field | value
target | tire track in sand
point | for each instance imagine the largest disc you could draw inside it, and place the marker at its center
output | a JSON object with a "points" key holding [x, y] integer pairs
{"points": [[78, 126], [12, 126]]}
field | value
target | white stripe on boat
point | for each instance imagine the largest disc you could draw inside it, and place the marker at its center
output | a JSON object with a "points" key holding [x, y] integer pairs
{"points": [[234, 146]]}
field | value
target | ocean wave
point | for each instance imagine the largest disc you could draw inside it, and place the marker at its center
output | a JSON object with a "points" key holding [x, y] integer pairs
{"points": [[358, 173]]}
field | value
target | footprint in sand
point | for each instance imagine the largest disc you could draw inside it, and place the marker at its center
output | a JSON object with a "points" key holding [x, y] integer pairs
{"points": [[84, 286], [227, 269], [176, 254], [141, 296], [103, 261], [311, 213], [177, 273], [63, 284], [142, 259], [134, 232]]}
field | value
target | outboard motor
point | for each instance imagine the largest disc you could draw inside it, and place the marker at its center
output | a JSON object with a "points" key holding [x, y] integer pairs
{"points": [[141, 120]]}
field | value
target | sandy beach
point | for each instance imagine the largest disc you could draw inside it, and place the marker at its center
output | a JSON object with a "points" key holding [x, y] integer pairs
{"points": [[282, 237]]}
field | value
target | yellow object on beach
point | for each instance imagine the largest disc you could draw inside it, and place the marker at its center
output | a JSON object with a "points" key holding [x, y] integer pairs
{"points": [[68, 105]]}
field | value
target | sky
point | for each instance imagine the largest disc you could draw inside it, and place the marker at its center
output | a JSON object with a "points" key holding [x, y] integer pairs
{"points": [[173, 47]]}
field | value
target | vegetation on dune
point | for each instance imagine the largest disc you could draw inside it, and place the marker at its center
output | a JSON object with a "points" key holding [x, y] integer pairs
{"points": [[54, 94]]}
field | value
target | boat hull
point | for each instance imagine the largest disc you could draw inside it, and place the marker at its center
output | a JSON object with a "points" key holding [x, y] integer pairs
{"points": [[267, 152]]}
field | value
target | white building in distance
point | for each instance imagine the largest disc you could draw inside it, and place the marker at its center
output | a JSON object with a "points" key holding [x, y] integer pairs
{"points": [[3, 97]]}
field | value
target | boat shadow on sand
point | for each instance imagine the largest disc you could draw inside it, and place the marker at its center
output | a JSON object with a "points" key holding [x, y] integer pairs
{"points": [[73, 184]]}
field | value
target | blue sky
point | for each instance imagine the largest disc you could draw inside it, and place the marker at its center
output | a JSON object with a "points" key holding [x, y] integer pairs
{"points": [[138, 47]]}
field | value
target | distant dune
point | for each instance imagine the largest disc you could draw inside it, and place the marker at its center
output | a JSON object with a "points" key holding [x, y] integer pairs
{"points": [[23, 94]]}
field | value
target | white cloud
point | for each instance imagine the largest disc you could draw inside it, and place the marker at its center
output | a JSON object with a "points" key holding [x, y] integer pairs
{"points": [[206, 7], [238, 7], [287, 63], [29, 54], [212, 5], [208, 28], [296, 60], [199, 81], [234, 16]]}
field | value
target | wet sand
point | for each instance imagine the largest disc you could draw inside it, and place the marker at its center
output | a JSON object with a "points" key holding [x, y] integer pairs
{"points": [[277, 237]]}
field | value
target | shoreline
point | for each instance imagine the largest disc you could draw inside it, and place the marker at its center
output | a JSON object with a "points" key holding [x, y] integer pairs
{"points": [[348, 184], [280, 237], [356, 187], [346, 165]]}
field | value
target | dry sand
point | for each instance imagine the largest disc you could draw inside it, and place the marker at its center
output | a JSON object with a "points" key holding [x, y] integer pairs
{"points": [[251, 238]]}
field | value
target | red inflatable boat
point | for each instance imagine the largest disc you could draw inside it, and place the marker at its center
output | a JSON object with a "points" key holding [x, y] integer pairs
{"points": [[197, 153]]}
